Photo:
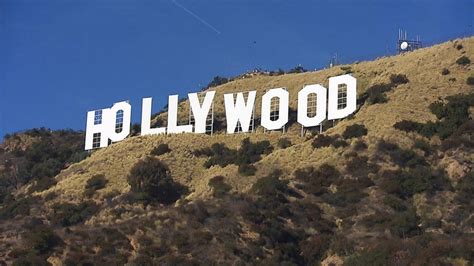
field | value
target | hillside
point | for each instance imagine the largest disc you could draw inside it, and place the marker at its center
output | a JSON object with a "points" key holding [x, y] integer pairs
{"points": [[392, 184]]}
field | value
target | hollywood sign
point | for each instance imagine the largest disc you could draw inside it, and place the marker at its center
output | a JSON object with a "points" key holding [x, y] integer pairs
{"points": [[114, 123]]}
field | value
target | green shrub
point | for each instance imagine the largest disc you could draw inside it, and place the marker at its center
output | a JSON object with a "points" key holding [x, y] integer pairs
{"points": [[251, 152], [445, 72], [41, 239], [152, 181], [284, 143], [95, 183], [470, 80], [395, 203], [12, 207], [349, 191], [136, 129], [270, 185], [398, 79], [315, 247], [377, 256], [359, 166], [322, 140], [297, 69], [247, 169], [401, 157], [405, 224], [463, 60], [452, 115], [45, 157], [406, 183], [67, 214], [219, 155], [377, 220], [376, 93], [459, 46], [160, 149], [317, 180], [338, 143], [407, 158], [360, 145], [216, 81], [31, 259], [341, 246], [465, 189], [219, 186], [354, 131], [439, 109], [408, 126], [247, 154], [43, 183], [424, 146]]}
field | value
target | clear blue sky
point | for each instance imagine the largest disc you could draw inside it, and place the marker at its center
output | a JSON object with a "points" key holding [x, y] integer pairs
{"points": [[59, 59]]}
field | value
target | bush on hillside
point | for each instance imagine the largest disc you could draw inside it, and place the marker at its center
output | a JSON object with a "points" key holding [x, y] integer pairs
{"points": [[465, 189], [360, 166], [445, 71], [406, 183], [348, 192], [424, 146], [160, 149], [284, 143], [216, 81], [136, 129], [407, 126], [376, 93], [250, 152], [219, 155], [401, 157], [42, 184], [452, 114], [44, 158], [463, 60], [338, 143], [360, 145], [470, 80], [40, 239], [67, 214], [95, 183], [151, 180], [317, 180], [270, 185], [314, 248], [247, 154], [405, 224], [297, 69], [16, 207], [247, 169], [398, 79], [461, 137], [395, 203], [347, 69], [354, 131], [323, 140], [219, 186]]}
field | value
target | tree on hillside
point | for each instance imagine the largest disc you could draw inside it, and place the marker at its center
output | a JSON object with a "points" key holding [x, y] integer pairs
{"points": [[151, 180]]}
